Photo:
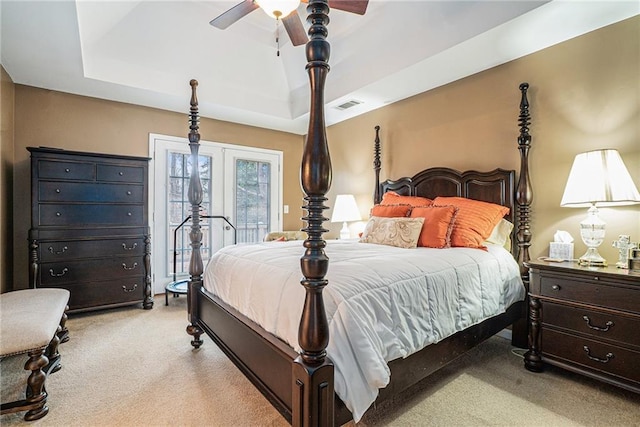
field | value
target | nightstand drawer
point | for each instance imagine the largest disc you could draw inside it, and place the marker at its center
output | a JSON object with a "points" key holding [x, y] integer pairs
{"points": [[598, 324], [591, 292], [595, 355]]}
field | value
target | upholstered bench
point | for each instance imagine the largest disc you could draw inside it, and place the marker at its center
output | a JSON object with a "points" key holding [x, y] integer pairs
{"points": [[32, 321]]}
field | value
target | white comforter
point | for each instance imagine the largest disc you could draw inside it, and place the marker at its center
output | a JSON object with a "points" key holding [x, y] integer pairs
{"points": [[382, 302]]}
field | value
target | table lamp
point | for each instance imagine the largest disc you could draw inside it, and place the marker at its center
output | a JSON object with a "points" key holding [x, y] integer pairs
{"points": [[344, 210], [597, 178]]}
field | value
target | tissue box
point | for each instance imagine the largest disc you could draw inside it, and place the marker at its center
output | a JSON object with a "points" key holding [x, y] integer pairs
{"points": [[561, 250]]}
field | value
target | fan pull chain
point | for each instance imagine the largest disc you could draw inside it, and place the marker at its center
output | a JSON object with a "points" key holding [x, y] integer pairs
{"points": [[277, 37]]}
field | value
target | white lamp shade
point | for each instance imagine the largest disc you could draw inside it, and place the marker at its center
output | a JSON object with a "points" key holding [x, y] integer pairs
{"points": [[278, 9], [345, 209], [599, 178]]}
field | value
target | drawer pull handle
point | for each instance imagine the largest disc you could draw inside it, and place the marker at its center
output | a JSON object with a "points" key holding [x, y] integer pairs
{"points": [[124, 246], [606, 359], [555, 287], [135, 264], [54, 274], [133, 288], [606, 327], [53, 251]]}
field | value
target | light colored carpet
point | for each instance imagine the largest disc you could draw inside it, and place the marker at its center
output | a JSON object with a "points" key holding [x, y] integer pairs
{"points": [[134, 367]]}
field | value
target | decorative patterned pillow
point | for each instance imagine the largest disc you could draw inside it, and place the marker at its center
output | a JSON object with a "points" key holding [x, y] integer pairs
{"points": [[390, 210], [474, 222], [393, 198], [438, 224], [399, 232]]}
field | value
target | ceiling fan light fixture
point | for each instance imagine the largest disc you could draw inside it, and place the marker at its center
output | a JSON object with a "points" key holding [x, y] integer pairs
{"points": [[278, 9]]}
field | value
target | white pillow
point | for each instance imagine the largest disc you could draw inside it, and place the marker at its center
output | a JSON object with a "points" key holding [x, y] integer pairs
{"points": [[398, 231], [501, 234]]}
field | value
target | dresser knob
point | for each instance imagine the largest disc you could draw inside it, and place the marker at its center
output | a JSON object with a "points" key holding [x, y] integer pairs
{"points": [[555, 287], [57, 190], [128, 213], [54, 274], [121, 173], [67, 170], [606, 358], [58, 214], [135, 264], [128, 193], [606, 327], [131, 289], [53, 251]]}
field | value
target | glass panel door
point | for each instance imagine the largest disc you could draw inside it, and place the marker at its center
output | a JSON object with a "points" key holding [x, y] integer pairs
{"points": [[255, 200]]}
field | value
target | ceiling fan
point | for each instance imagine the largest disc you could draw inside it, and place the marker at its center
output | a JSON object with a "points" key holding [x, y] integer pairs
{"points": [[285, 11]]}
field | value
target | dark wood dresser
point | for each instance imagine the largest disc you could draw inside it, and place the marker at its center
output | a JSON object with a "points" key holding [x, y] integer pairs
{"points": [[90, 227], [586, 320]]}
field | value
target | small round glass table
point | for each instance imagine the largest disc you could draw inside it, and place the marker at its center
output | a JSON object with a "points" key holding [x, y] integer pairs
{"points": [[176, 288]]}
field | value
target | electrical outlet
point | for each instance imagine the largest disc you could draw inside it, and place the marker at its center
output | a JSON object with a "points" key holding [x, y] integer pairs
{"points": [[286, 209]]}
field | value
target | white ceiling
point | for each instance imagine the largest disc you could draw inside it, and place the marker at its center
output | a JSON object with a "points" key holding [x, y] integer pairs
{"points": [[145, 52]]}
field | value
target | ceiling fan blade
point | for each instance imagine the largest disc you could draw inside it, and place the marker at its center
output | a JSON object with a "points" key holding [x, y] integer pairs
{"points": [[234, 14], [353, 6], [295, 29]]}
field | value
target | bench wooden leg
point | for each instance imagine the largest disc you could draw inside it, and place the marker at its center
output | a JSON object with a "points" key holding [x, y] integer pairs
{"points": [[35, 402], [63, 333], [53, 355]]}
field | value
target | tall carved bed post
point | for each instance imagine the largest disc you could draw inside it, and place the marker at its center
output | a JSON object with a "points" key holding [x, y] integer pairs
{"points": [[377, 165], [524, 197], [196, 267], [313, 388]]}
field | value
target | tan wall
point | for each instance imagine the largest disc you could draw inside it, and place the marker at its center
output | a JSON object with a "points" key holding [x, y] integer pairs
{"points": [[55, 119], [584, 95], [7, 93]]}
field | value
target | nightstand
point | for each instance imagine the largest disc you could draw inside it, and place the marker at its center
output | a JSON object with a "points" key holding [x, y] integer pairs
{"points": [[586, 320]]}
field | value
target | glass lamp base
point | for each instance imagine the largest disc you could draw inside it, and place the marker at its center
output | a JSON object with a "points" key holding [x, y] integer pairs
{"points": [[592, 259]]}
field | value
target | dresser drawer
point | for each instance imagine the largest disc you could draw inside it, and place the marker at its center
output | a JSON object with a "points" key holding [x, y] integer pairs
{"points": [[118, 173], [68, 250], [88, 295], [591, 292], [593, 354], [58, 214], [84, 270], [66, 170], [599, 325], [55, 191]]}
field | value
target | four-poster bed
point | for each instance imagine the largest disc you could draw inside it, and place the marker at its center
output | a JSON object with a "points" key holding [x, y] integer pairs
{"points": [[300, 384]]}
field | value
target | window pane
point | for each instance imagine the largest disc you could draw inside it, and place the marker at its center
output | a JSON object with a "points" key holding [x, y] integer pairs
{"points": [[179, 208], [252, 199]]}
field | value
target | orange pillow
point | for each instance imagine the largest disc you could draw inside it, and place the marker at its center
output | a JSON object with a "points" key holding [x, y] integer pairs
{"points": [[474, 222], [437, 227], [393, 198], [390, 210]]}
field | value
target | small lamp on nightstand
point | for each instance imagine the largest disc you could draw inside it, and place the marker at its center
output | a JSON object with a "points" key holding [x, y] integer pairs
{"points": [[345, 210], [597, 178]]}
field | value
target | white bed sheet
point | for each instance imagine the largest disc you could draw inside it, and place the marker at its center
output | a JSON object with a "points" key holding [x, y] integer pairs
{"points": [[382, 302]]}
